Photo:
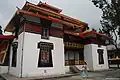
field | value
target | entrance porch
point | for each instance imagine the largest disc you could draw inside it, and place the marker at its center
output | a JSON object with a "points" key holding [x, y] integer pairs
{"points": [[73, 52]]}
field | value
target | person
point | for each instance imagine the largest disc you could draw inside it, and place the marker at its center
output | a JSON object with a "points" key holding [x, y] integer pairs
{"points": [[84, 71]]}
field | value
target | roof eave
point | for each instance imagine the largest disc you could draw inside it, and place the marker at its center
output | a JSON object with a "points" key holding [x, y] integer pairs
{"points": [[33, 5], [88, 32], [45, 4], [7, 37], [9, 27]]}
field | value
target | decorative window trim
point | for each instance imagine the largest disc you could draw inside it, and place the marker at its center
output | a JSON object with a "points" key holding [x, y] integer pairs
{"points": [[100, 56], [45, 54]]}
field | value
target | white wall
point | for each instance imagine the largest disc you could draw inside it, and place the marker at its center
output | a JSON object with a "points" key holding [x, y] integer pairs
{"points": [[91, 57], [88, 57], [31, 55], [3, 69], [17, 70], [67, 69]]}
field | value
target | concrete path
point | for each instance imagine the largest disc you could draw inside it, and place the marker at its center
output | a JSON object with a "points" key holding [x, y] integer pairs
{"points": [[10, 77], [98, 75]]}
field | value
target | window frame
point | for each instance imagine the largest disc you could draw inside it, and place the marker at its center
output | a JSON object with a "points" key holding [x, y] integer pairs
{"points": [[45, 33], [45, 52], [14, 54], [79, 61]]}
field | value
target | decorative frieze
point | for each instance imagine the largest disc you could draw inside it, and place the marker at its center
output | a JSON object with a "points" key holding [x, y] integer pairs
{"points": [[73, 45]]}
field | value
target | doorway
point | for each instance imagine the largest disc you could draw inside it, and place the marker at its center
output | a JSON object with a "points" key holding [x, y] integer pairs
{"points": [[74, 57]]}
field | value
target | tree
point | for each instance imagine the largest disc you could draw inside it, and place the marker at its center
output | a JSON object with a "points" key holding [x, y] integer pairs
{"points": [[110, 19], [1, 30]]}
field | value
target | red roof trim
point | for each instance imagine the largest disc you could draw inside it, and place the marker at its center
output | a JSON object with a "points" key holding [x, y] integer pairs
{"points": [[103, 35], [45, 4], [89, 32], [38, 15], [49, 18], [72, 33], [73, 19], [33, 5], [7, 37]]}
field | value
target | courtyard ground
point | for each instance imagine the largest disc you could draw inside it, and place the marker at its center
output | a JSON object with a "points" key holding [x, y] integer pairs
{"points": [[112, 74]]}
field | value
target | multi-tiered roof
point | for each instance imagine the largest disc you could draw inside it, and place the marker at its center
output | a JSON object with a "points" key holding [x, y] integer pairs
{"points": [[48, 12], [45, 11]]}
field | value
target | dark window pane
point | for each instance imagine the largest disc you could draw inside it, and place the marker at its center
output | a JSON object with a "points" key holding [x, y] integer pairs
{"points": [[14, 55], [45, 58], [45, 33], [14, 58], [100, 56]]}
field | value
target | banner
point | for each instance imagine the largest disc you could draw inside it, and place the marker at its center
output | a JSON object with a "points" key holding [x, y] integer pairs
{"points": [[3, 49]]}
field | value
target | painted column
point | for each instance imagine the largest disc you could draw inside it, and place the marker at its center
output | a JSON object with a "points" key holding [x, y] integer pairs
{"points": [[96, 57]]}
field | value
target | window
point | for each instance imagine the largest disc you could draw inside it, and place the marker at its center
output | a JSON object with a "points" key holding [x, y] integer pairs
{"points": [[45, 33], [74, 57], [100, 56], [46, 24], [14, 55], [77, 58], [66, 58], [45, 54]]}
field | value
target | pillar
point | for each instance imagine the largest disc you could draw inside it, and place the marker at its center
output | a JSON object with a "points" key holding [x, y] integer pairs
{"points": [[96, 57]]}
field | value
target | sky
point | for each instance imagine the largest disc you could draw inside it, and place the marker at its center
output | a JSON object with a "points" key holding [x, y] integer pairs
{"points": [[83, 10]]}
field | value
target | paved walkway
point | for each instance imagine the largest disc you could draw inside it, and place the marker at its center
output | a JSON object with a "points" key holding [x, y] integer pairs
{"points": [[10, 77], [98, 75]]}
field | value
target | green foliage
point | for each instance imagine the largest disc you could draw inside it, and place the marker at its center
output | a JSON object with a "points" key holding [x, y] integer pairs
{"points": [[110, 19], [1, 32]]}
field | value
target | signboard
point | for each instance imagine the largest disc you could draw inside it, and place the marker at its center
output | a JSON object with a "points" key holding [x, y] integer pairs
{"points": [[3, 49], [73, 45]]}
